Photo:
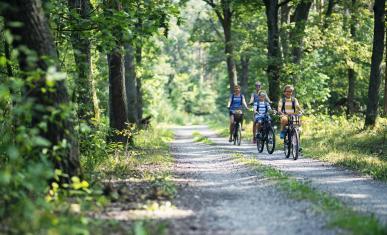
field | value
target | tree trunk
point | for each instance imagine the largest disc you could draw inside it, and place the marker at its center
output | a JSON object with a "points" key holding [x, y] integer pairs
{"points": [[117, 94], [385, 78], [284, 34], [7, 53], [351, 71], [377, 57], [35, 35], [81, 46], [131, 84], [331, 4], [225, 14], [297, 36], [139, 79], [229, 49], [274, 50], [244, 73]]}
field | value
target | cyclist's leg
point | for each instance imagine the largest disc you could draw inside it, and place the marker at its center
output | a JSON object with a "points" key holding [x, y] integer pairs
{"points": [[284, 122], [254, 128]]}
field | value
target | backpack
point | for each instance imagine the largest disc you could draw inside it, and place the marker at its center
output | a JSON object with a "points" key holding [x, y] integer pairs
{"points": [[232, 100], [293, 104]]}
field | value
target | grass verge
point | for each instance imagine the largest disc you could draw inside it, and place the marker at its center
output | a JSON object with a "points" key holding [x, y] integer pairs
{"points": [[201, 138], [340, 216], [136, 179]]}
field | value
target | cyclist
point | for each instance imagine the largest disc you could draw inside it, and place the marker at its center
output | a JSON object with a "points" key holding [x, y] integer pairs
{"points": [[261, 111], [235, 102], [254, 99], [287, 105]]}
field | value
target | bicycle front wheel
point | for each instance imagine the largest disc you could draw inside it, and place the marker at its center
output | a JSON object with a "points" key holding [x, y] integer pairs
{"points": [[270, 140], [239, 134], [260, 142], [287, 144], [295, 144]]}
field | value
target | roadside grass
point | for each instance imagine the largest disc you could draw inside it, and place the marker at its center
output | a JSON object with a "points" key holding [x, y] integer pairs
{"points": [[201, 138], [340, 216], [139, 175], [346, 143]]}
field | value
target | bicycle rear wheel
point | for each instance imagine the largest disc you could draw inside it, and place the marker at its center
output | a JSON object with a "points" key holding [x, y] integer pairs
{"points": [[270, 140], [235, 133], [239, 134], [295, 144], [260, 142], [287, 144]]}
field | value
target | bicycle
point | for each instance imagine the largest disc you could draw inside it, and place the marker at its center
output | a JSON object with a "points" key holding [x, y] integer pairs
{"points": [[266, 135], [237, 127], [292, 136]]}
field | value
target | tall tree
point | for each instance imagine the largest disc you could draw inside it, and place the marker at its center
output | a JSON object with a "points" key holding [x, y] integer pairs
{"points": [[351, 71], [274, 50], [385, 78], [224, 11], [34, 34], [84, 89], [245, 60], [300, 18], [331, 5], [118, 113], [377, 57], [131, 84]]}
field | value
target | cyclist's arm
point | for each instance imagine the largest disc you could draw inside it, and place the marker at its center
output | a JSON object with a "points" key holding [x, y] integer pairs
{"points": [[251, 99], [244, 103], [279, 107], [229, 103]]}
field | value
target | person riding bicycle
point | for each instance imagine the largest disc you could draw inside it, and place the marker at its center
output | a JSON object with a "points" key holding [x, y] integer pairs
{"points": [[254, 99], [261, 111], [235, 102], [288, 105]]}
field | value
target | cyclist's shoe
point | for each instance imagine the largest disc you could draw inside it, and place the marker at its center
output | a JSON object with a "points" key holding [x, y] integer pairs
{"points": [[254, 140], [282, 134], [230, 139]]}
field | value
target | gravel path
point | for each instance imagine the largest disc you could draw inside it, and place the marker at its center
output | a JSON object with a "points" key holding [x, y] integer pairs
{"points": [[225, 197], [360, 192]]}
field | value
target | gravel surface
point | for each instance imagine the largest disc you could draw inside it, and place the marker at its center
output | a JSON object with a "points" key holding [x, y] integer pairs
{"points": [[225, 197]]}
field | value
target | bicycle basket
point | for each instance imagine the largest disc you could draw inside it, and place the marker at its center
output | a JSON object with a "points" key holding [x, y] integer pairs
{"points": [[238, 116], [295, 120]]}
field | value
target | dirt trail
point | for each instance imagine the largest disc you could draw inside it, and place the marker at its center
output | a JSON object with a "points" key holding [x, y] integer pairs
{"points": [[227, 198]]}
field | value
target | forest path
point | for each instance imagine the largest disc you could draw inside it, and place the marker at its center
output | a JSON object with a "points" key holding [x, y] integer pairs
{"points": [[226, 197]]}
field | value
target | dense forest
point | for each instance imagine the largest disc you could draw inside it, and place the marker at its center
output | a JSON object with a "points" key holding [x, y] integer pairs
{"points": [[82, 81]]}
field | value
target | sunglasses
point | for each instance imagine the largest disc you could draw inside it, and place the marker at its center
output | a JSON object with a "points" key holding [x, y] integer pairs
{"points": [[258, 85]]}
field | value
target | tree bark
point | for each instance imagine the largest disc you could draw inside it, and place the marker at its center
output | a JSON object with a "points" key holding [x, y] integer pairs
{"points": [[131, 84], [139, 79], [284, 34], [117, 95], [377, 57], [118, 108], [35, 35], [331, 4], [274, 50], [297, 36], [244, 73], [225, 14], [351, 71], [84, 88], [385, 77]]}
